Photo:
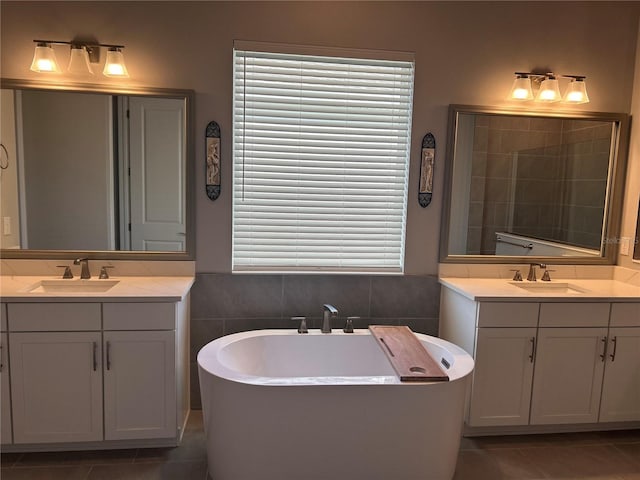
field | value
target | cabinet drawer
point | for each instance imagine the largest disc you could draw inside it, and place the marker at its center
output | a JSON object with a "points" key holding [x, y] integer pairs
{"points": [[625, 315], [139, 316], [47, 317], [574, 314], [3, 317], [508, 314]]}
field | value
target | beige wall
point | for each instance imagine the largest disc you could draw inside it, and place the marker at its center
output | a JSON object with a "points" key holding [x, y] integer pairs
{"points": [[465, 53], [632, 194]]}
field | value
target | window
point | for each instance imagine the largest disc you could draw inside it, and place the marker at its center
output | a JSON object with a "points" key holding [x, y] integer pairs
{"points": [[321, 157]]}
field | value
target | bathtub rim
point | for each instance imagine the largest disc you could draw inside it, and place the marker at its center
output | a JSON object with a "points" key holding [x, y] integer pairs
{"points": [[207, 360]]}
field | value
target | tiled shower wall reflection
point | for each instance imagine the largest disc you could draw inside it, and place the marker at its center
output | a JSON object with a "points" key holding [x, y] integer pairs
{"points": [[226, 303]]}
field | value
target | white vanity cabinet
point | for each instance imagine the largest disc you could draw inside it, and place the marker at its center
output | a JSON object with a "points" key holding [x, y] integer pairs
{"points": [[546, 365], [139, 370], [5, 400], [56, 372], [504, 357], [97, 373], [621, 386], [570, 363]]}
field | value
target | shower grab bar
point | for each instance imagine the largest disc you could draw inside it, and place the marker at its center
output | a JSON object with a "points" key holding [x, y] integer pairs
{"points": [[526, 245]]}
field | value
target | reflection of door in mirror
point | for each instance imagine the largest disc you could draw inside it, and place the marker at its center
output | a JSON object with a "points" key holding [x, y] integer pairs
{"points": [[531, 186], [157, 155], [89, 182]]}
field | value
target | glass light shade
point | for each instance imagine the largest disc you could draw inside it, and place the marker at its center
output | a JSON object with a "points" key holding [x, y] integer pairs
{"points": [[576, 92], [44, 59], [521, 89], [114, 65], [79, 61], [549, 91]]}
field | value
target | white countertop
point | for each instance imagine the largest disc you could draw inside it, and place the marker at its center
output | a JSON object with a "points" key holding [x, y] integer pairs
{"points": [[502, 290], [129, 288]]}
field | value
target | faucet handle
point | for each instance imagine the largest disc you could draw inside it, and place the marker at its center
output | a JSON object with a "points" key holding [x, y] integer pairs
{"points": [[348, 328], [303, 324], [103, 271], [67, 271], [517, 276], [545, 276]]}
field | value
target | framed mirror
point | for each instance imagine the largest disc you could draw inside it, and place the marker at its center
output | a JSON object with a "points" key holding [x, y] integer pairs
{"points": [[97, 171], [524, 187], [636, 239]]}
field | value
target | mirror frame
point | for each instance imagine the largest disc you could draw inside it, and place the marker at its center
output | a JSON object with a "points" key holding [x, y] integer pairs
{"points": [[613, 200], [189, 98]]}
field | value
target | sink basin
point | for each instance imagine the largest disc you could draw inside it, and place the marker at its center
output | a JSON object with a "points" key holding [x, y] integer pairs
{"points": [[72, 286], [557, 288]]}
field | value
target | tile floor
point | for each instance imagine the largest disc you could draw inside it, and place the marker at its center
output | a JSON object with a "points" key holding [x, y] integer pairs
{"points": [[573, 456]]}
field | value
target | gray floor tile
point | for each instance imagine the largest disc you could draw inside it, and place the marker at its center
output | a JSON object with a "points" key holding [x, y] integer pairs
{"points": [[90, 457], [49, 472], [150, 471], [584, 461]]}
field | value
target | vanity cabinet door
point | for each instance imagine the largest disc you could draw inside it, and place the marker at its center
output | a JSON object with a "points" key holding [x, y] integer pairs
{"points": [[502, 376], [139, 385], [5, 418], [568, 375], [56, 386], [621, 387]]}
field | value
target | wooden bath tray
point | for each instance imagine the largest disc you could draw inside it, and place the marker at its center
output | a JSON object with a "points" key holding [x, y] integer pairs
{"points": [[411, 361]]}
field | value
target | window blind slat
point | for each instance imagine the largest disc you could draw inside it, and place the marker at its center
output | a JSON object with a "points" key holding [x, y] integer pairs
{"points": [[320, 162]]}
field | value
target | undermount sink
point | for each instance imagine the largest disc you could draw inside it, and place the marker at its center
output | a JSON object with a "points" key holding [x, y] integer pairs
{"points": [[72, 286], [550, 287]]}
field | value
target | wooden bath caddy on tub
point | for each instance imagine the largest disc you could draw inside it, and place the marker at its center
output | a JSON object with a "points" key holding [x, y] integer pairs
{"points": [[411, 361]]}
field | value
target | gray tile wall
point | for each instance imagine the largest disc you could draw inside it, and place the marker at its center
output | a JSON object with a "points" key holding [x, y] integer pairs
{"points": [[224, 303]]}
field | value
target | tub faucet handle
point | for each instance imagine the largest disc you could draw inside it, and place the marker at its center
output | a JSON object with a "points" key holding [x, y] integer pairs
{"points": [[303, 324], [348, 328]]}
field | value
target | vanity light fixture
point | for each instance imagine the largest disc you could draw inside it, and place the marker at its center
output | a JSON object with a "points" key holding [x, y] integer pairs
{"points": [[548, 89], [44, 58], [79, 63], [114, 66], [576, 90], [521, 89], [82, 55]]}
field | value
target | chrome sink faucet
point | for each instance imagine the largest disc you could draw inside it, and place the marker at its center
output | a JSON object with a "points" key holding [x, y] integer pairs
{"points": [[329, 312], [532, 271], [84, 271]]}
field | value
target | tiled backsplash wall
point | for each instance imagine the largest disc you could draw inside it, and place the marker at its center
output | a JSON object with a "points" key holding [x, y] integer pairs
{"points": [[226, 303]]}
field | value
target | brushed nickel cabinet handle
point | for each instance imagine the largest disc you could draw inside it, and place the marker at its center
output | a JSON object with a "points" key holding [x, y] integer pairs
{"points": [[603, 355], [108, 355], [533, 349], [95, 358], [1, 358], [614, 340]]}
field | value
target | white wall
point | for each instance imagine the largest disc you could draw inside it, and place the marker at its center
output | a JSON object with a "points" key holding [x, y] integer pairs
{"points": [[466, 52], [68, 203]]}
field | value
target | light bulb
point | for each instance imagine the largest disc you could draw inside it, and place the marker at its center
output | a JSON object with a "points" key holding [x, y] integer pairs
{"points": [[44, 59], [114, 65]]}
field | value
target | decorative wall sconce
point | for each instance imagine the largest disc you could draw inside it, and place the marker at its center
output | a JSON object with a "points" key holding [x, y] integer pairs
{"points": [[548, 88], [81, 57]]}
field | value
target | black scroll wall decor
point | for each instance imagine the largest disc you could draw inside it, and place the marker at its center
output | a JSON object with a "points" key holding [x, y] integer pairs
{"points": [[212, 147], [425, 188]]}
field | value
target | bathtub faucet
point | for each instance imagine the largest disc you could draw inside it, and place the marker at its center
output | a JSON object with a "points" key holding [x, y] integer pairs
{"points": [[329, 312]]}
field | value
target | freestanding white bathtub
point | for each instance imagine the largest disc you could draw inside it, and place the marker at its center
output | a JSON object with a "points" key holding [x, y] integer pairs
{"points": [[279, 405]]}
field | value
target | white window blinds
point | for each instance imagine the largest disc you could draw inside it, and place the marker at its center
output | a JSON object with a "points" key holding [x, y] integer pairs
{"points": [[320, 162]]}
